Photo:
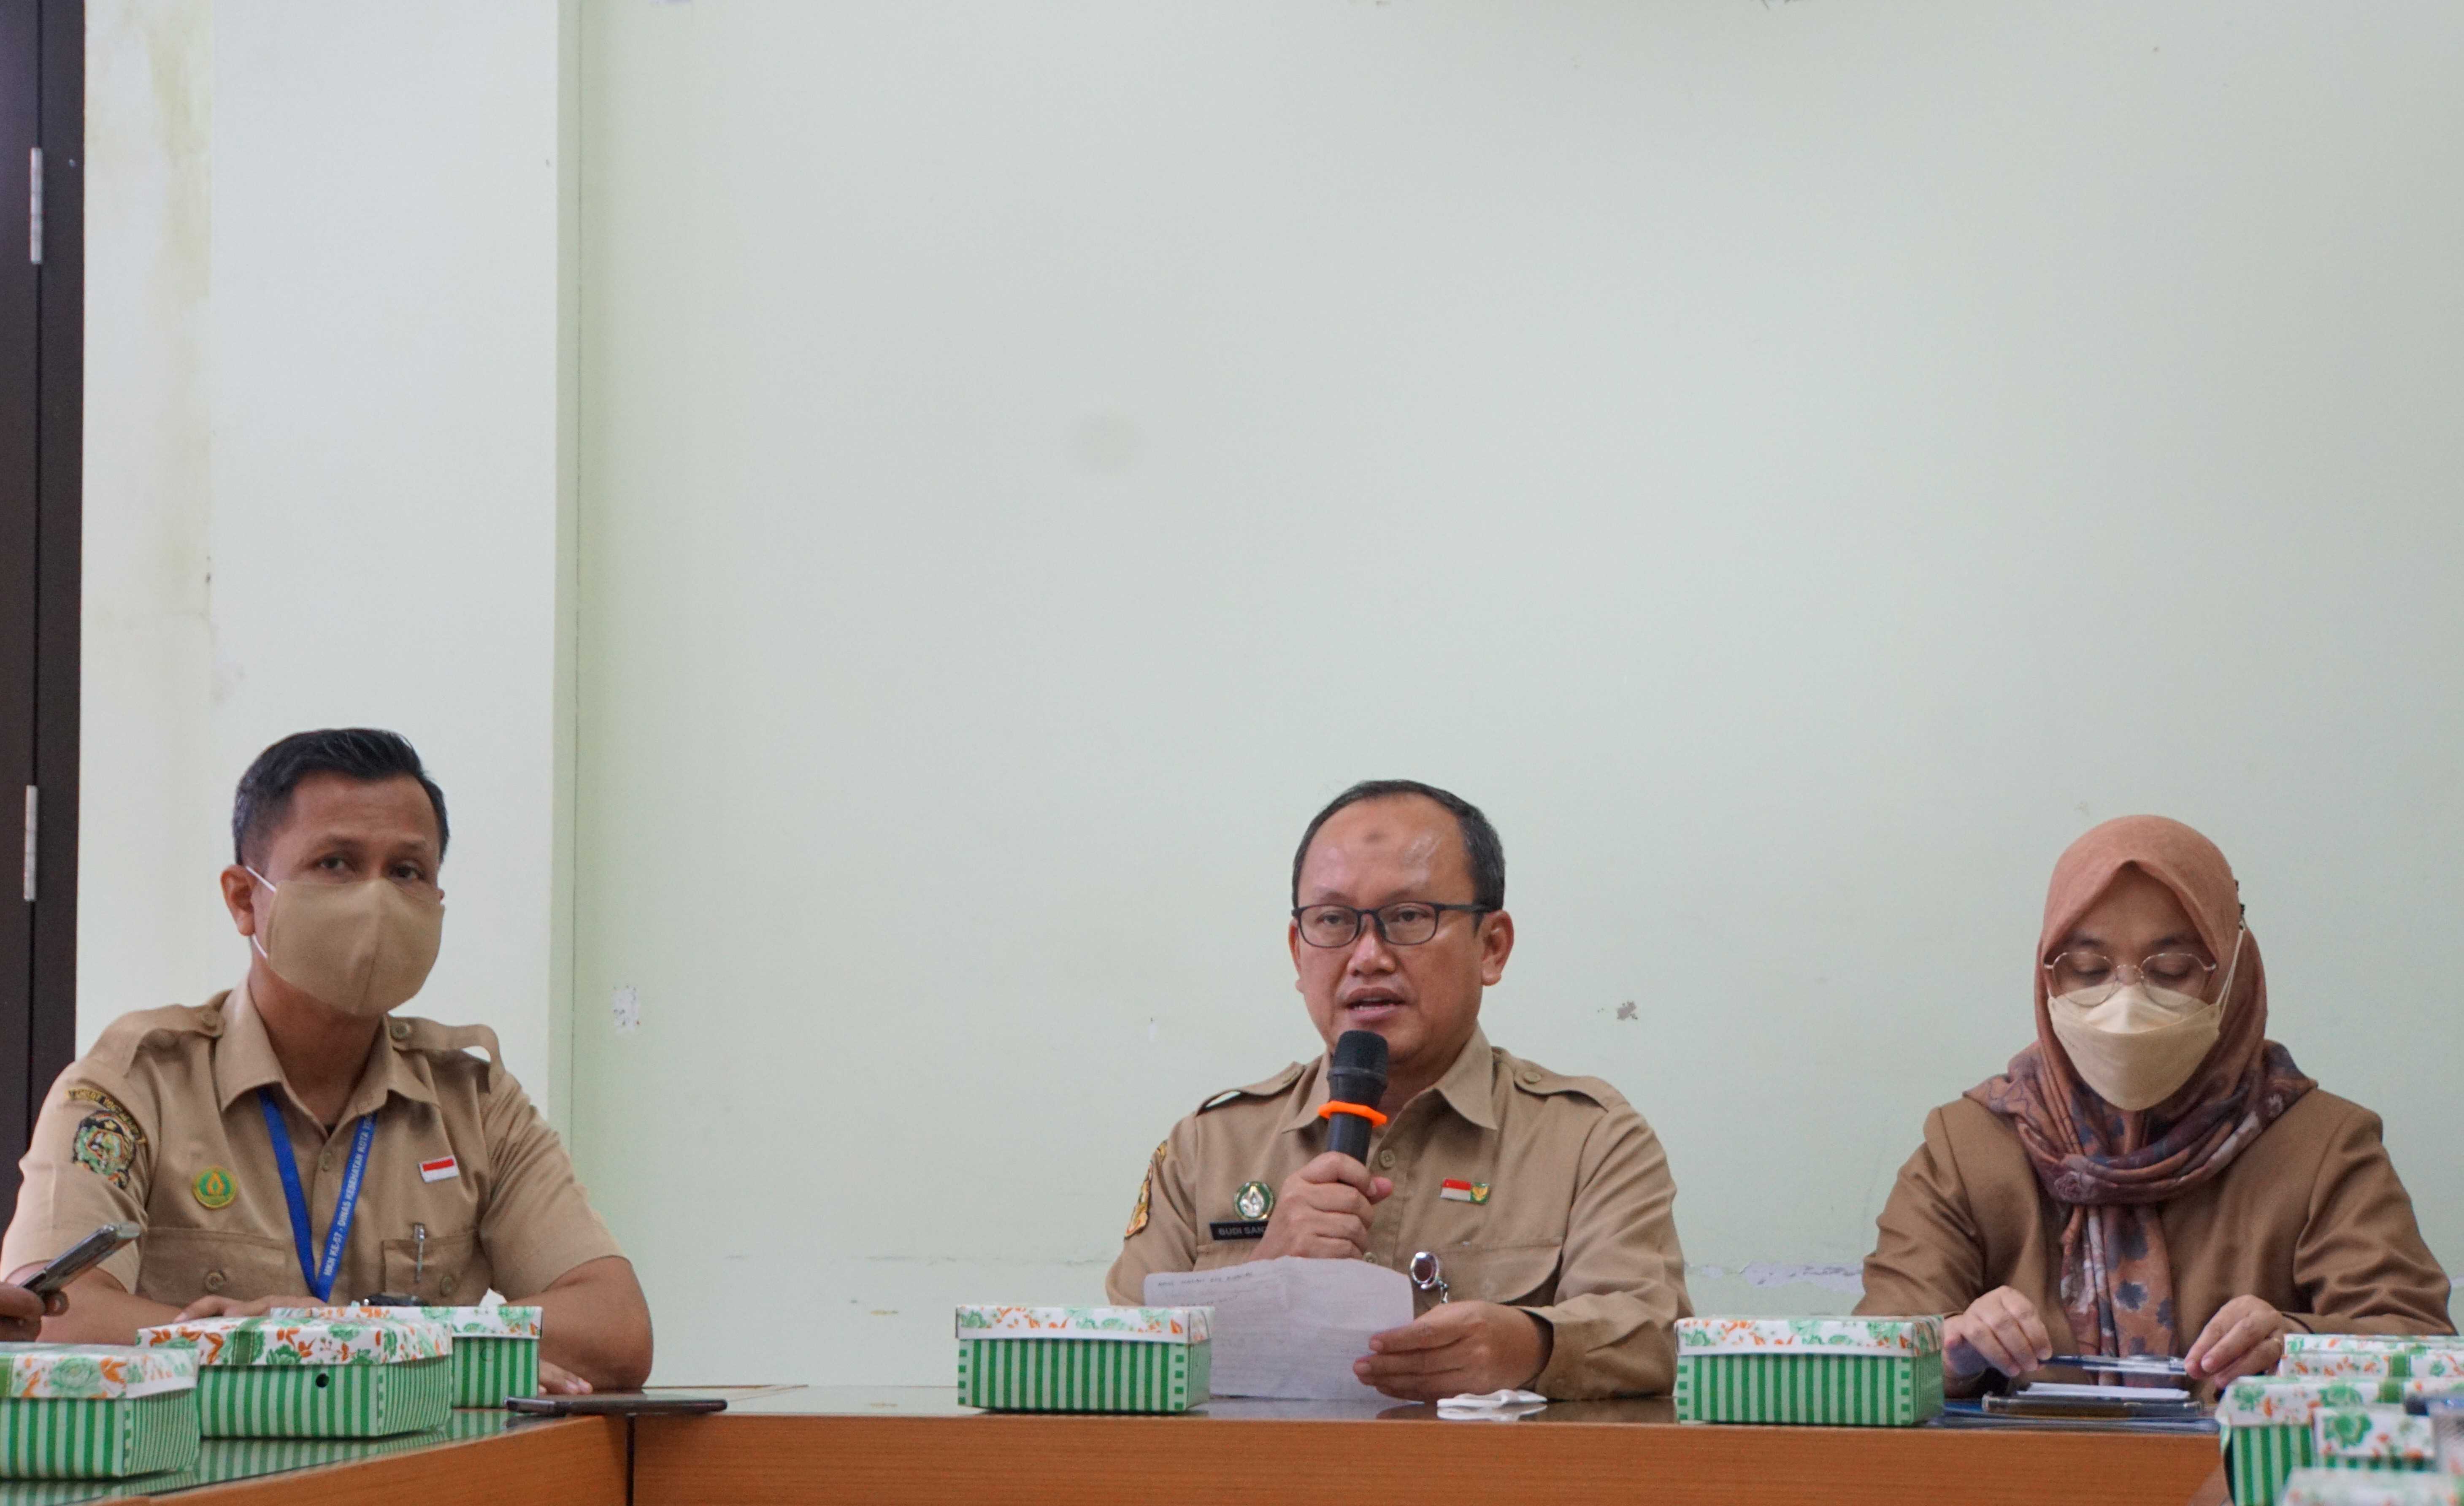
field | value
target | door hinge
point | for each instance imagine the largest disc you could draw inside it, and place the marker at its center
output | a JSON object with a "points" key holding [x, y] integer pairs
{"points": [[34, 805], [34, 205]]}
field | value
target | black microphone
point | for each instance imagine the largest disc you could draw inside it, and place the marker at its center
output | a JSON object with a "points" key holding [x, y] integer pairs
{"points": [[1355, 1078]]}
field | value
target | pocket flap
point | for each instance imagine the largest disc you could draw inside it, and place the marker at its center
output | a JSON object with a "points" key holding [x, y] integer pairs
{"points": [[1523, 1275]]}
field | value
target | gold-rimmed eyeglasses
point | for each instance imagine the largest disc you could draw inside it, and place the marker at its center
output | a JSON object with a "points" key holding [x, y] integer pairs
{"points": [[2094, 978]]}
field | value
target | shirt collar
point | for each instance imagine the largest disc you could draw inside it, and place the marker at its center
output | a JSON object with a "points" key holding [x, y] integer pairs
{"points": [[245, 1060], [1469, 1087]]}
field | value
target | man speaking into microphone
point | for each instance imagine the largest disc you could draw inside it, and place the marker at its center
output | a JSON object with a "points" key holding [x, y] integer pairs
{"points": [[1538, 1206]]}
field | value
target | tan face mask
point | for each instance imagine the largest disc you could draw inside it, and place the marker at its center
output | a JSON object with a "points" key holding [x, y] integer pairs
{"points": [[362, 949], [2138, 1046]]}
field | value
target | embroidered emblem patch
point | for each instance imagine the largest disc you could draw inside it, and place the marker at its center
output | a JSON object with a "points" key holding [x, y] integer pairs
{"points": [[214, 1188], [1254, 1201], [108, 1104], [1146, 1192], [1457, 1192], [106, 1144]]}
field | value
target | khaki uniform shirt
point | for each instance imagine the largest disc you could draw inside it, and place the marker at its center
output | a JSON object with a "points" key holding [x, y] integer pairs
{"points": [[1565, 1208], [160, 1126], [2309, 1218]]}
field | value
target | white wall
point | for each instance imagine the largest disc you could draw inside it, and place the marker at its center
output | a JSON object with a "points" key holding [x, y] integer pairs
{"points": [[322, 423], [1816, 459], [1796, 465]]}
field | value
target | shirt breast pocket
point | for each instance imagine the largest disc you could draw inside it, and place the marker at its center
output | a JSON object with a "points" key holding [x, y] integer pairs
{"points": [[181, 1265], [446, 1268], [1512, 1275]]}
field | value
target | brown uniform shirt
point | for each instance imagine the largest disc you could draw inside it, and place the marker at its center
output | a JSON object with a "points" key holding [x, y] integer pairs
{"points": [[2309, 1218], [1568, 1214], [160, 1126]]}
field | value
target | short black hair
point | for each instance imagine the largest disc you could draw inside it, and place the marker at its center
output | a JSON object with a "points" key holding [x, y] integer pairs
{"points": [[355, 753], [1480, 842]]}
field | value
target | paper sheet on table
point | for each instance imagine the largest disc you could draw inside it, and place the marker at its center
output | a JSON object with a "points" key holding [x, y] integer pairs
{"points": [[1289, 1327]]}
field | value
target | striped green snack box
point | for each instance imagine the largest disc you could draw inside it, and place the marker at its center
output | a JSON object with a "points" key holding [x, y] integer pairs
{"points": [[1083, 1359], [495, 1349], [2346, 1487], [316, 1377], [2374, 1438], [1833, 1371], [95, 1411], [2267, 1422]]}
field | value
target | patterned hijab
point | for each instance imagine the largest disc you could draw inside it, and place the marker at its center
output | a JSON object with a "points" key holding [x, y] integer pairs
{"points": [[2112, 1167]]}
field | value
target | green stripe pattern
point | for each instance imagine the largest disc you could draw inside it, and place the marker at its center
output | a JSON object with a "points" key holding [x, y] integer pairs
{"points": [[1862, 1390], [86, 1439], [325, 1401], [2258, 1458], [488, 1370], [1082, 1375]]}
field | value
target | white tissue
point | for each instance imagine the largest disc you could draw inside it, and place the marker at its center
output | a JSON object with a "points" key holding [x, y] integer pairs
{"points": [[1491, 1406]]}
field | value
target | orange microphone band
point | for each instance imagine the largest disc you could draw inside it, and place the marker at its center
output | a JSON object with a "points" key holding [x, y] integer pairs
{"points": [[1374, 1117]]}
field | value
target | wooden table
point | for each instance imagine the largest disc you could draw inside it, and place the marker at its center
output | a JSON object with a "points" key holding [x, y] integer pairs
{"points": [[808, 1447], [581, 1461]]}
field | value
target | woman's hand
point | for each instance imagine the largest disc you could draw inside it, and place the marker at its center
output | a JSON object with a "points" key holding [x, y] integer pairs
{"points": [[556, 1381], [2000, 1329], [2244, 1338], [22, 1312]]}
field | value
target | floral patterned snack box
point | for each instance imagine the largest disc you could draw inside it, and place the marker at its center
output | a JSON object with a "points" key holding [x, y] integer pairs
{"points": [[2352, 1488], [1083, 1359], [2389, 1356], [2267, 1422], [2374, 1438], [95, 1411], [495, 1349], [1833, 1371], [316, 1377]]}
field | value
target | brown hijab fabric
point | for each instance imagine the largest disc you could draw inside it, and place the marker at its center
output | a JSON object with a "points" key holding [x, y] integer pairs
{"points": [[2111, 1167]]}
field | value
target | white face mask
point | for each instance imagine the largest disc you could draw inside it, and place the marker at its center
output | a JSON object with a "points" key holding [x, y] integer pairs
{"points": [[2137, 1046]]}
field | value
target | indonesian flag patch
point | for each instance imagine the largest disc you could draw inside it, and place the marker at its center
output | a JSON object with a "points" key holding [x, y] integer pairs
{"points": [[1454, 1191], [445, 1169]]}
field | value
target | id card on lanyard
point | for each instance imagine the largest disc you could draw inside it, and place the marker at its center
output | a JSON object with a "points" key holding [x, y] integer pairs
{"points": [[317, 1271]]}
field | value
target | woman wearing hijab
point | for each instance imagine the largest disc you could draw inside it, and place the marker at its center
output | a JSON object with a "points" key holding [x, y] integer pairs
{"points": [[2153, 1172]]}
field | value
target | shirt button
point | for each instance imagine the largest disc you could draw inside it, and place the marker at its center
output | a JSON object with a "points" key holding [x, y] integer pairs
{"points": [[1531, 1076], [1386, 1158], [448, 1287], [325, 1161], [399, 1030], [213, 1280]]}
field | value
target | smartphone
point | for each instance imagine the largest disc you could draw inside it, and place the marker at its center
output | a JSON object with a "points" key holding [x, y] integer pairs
{"points": [[80, 1258], [615, 1403]]}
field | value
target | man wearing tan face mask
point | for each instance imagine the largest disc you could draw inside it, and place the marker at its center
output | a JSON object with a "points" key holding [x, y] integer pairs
{"points": [[2153, 1175], [291, 1142]]}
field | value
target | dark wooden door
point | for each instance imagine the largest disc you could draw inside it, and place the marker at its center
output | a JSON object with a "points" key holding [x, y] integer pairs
{"points": [[42, 296]]}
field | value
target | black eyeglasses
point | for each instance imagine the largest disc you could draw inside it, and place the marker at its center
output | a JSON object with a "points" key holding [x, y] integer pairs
{"points": [[1406, 923]]}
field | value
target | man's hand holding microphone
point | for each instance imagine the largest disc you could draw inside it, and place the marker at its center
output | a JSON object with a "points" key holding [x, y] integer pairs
{"points": [[1323, 1211]]}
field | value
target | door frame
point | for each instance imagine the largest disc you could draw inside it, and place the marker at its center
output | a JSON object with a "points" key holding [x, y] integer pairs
{"points": [[43, 975]]}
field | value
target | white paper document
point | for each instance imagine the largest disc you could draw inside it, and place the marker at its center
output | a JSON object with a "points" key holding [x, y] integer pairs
{"points": [[1289, 1327]]}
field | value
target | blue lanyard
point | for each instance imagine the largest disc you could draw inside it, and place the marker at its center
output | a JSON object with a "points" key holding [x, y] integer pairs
{"points": [[319, 1273]]}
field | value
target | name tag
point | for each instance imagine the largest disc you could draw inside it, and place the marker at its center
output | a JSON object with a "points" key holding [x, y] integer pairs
{"points": [[1240, 1229]]}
